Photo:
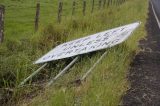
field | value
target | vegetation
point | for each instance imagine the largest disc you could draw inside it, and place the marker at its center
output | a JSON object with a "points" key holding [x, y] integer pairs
{"points": [[104, 86]]}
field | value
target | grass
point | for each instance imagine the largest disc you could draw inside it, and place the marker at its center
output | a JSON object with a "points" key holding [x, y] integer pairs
{"points": [[20, 15], [104, 87]]}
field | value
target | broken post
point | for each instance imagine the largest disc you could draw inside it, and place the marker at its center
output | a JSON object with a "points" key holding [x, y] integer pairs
{"points": [[2, 11], [37, 16], [62, 72]]}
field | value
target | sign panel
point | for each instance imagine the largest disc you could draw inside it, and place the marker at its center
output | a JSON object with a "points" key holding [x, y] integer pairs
{"points": [[95, 42]]}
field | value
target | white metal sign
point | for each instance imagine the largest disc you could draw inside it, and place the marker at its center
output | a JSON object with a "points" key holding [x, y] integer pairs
{"points": [[90, 43]]}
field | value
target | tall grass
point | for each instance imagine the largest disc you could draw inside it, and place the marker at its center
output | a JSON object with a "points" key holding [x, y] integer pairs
{"points": [[104, 86]]}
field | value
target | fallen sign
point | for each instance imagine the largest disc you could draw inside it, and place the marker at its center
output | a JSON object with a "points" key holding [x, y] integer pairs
{"points": [[95, 42]]}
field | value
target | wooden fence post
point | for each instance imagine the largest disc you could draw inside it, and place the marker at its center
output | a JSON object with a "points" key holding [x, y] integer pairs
{"points": [[37, 16], [2, 11], [100, 3], [115, 1], [118, 2], [112, 2], [84, 7], [92, 6], [73, 7], [104, 3], [108, 2], [60, 7], [121, 1]]}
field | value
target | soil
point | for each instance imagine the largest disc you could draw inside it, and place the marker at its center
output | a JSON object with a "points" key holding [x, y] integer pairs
{"points": [[144, 74]]}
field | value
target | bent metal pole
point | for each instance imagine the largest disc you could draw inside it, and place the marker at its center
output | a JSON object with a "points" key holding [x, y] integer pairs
{"points": [[91, 69], [62, 72], [32, 75]]}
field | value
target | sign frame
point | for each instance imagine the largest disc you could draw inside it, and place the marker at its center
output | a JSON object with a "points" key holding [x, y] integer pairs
{"points": [[94, 42]]}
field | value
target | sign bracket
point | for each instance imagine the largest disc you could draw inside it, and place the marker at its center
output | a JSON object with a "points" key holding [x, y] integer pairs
{"points": [[91, 69], [32, 75], [62, 72]]}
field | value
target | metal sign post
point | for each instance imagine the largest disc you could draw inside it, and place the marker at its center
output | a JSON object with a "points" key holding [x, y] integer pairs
{"points": [[91, 69], [32, 75], [62, 72]]}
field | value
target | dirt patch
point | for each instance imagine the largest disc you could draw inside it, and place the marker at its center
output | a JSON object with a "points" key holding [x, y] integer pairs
{"points": [[144, 74]]}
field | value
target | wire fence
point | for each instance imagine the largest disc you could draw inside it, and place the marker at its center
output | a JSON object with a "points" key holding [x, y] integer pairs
{"points": [[28, 16]]}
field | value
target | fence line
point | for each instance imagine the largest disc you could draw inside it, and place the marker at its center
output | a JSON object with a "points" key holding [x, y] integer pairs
{"points": [[75, 6], [101, 3]]}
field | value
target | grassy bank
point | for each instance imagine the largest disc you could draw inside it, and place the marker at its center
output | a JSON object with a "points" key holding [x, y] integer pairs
{"points": [[104, 86]]}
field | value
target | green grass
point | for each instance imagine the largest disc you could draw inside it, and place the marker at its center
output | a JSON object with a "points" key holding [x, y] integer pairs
{"points": [[20, 15], [104, 87]]}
